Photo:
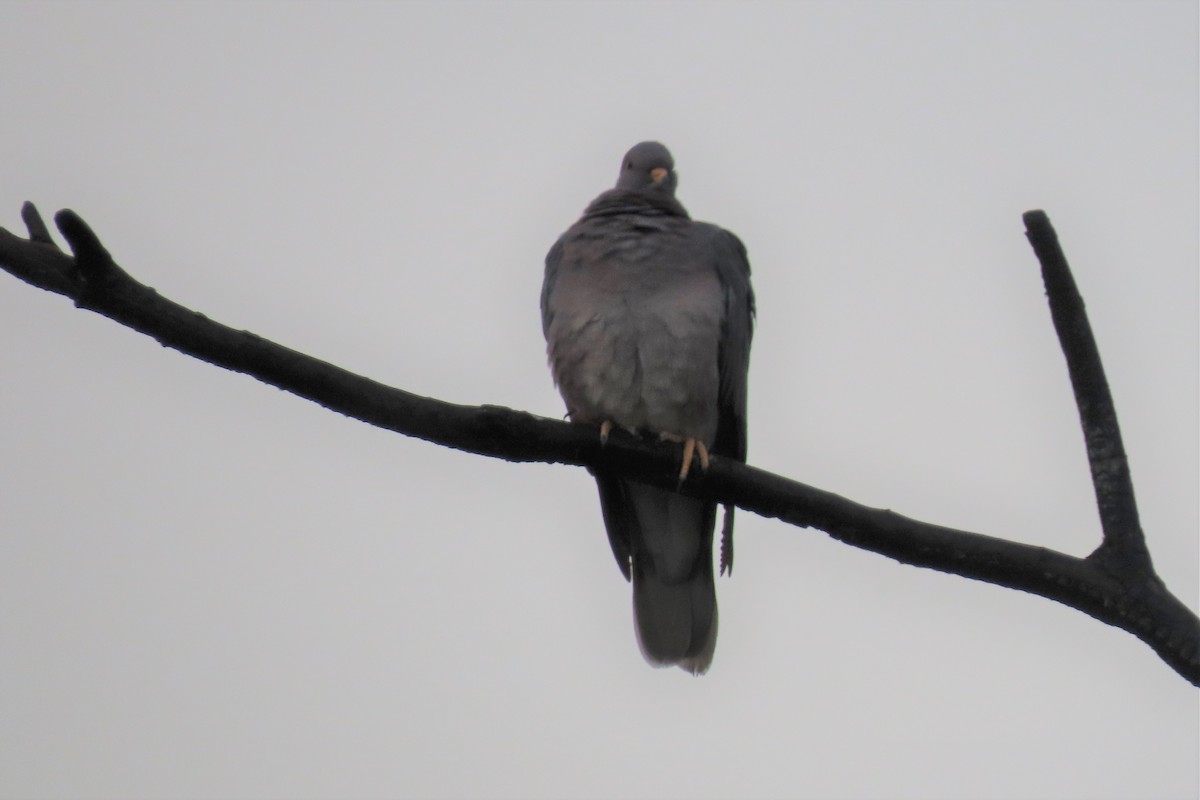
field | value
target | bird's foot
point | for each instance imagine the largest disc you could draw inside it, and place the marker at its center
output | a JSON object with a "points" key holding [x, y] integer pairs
{"points": [[691, 449], [605, 429]]}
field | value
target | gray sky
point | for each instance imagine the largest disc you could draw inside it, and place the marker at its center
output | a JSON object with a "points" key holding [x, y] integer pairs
{"points": [[210, 588]]}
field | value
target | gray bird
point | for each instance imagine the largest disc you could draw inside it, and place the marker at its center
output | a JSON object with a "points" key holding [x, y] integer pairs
{"points": [[648, 317]]}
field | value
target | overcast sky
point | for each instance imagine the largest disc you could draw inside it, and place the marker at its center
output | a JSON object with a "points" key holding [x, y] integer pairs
{"points": [[211, 588]]}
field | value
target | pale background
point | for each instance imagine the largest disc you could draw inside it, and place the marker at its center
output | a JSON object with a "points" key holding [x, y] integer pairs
{"points": [[211, 588]]}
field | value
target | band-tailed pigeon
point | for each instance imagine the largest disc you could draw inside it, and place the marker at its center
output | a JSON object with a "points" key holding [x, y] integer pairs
{"points": [[648, 317]]}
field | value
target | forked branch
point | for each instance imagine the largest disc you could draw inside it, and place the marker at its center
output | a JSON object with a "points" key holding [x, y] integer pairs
{"points": [[1115, 584], [1124, 544]]}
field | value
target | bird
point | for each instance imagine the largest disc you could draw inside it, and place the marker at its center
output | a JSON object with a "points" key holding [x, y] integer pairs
{"points": [[648, 317]]}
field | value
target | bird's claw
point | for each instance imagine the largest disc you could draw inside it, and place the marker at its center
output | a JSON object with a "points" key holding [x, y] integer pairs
{"points": [[691, 449]]}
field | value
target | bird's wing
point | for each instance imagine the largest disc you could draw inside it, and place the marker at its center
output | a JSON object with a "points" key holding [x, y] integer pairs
{"points": [[733, 363], [614, 500], [733, 268], [552, 260]]}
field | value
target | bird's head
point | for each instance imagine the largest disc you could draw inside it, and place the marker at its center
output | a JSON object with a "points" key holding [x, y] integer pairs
{"points": [[648, 167]]}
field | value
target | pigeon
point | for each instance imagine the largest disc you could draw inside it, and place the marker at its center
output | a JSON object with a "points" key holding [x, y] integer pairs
{"points": [[648, 317]]}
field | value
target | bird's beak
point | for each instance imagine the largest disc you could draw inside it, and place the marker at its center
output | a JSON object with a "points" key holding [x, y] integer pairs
{"points": [[658, 174]]}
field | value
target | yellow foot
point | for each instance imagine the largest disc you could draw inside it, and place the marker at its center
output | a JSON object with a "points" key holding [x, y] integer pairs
{"points": [[605, 428], [691, 449]]}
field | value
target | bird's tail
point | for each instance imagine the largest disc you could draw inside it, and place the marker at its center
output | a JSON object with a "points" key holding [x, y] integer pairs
{"points": [[676, 622], [674, 595]]}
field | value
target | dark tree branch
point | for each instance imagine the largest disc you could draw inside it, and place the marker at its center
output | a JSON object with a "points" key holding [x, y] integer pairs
{"points": [[33, 223], [1123, 540], [1116, 584]]}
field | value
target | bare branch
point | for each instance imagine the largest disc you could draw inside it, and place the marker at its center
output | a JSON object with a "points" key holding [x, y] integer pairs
{"points": [[1123, 592], [37, 260], [34, 224], [1123, 537]]}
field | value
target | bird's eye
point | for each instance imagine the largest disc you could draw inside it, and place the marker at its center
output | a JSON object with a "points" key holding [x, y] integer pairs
{"points": [[628, 165]]}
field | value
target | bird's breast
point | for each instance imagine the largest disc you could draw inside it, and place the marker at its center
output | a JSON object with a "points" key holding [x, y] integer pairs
{"points": [[635, 333]]}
